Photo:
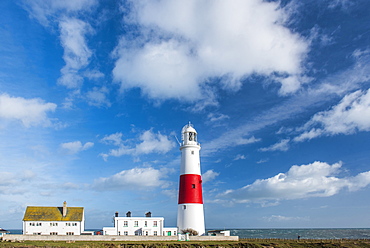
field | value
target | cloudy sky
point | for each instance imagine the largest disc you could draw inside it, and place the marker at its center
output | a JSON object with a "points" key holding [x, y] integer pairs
{"points": [[94, 93]]}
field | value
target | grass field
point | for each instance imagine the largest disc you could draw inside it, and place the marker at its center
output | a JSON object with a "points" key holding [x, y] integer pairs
{"points": [[253, 243]]}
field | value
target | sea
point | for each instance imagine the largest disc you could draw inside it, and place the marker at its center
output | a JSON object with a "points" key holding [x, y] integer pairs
{"points": [[314, 233]]}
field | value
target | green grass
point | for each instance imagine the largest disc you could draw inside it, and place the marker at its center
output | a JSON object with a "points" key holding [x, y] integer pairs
{"points": [[252, 243]]}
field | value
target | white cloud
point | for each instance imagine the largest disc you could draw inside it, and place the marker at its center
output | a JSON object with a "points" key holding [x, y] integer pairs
{"points": [[343, 4], [136, 178], [307, 135], [352, 114], [30, 112], [244, 141], [216, 117], [261, 161], [209, 175], [11, 182], [234, 139], [320, 37], [7, 178], [282, 218], [98, 97], [113, 139], [311, 180], [239, 157], [68, 15], [70, 185], [283, 145], [329, 88], [76, 52], [148, 142], [93, 74], [76, 146], [197, 40], [44, 10], [152, 142]]}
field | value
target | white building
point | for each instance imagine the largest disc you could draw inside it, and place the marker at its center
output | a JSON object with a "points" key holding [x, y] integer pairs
{"points": [[54, 220], [139, 226]]}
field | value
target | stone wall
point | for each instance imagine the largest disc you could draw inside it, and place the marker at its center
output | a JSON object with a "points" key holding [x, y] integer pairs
{"points": [[14, 237]]}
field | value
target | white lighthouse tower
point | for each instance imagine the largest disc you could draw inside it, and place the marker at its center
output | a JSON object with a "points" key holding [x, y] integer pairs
{"points": [[190, 213]]}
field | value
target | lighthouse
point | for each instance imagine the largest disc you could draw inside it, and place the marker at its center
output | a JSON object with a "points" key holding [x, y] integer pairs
{"points": [[190, 213]]}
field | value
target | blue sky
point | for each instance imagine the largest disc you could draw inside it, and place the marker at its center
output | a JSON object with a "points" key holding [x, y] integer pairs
{"points": [[94, 93]]}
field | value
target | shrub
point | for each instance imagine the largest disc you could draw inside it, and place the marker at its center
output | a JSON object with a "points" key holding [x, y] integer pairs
{"points": [[191, 231]]}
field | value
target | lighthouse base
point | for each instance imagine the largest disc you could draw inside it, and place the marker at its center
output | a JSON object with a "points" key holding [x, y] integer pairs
{"points": [[190, 215]]}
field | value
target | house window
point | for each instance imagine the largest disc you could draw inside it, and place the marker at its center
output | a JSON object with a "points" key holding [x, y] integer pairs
{"points": [[53, 233], [68, 224], [145, 224], [154, 223], [136, 223], [119, 232], [53, 224], [38, 224], [174, 233], [74, 224], [155, 233], [146, 233], [70, 233], [32, 224], [125, 223], [125, 233]]}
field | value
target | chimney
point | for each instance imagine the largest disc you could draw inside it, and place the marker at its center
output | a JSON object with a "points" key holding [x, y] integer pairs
{"points": [[128, 214], [64, 209], [114, 219], [148, 214]]}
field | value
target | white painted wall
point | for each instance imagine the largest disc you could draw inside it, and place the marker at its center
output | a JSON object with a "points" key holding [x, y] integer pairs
{"points": [[48, 227], [191, 216], [109, 231], [138, 226], [190, 161], [169, 231], [13, 237]]}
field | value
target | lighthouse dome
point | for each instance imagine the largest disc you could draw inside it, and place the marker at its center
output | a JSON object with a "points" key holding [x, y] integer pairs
{"points": [[189, 135], [188, 128]]}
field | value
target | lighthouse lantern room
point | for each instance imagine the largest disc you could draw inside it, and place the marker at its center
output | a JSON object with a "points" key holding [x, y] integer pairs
{"points": [[190, 214]]}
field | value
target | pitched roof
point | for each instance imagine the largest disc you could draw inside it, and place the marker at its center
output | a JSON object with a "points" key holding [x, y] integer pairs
{"points": [[53, 214]]}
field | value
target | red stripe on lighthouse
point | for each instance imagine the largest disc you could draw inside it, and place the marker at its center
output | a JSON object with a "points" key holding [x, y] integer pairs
{"points": [[190, 189]]}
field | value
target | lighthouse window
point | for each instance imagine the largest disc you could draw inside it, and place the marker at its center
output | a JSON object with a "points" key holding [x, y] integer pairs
{"points": [[192, 152], [193, 186], [184, 206]]}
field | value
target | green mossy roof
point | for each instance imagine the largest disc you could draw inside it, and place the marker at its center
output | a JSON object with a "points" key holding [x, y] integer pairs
{"points": [[53, 214]]}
